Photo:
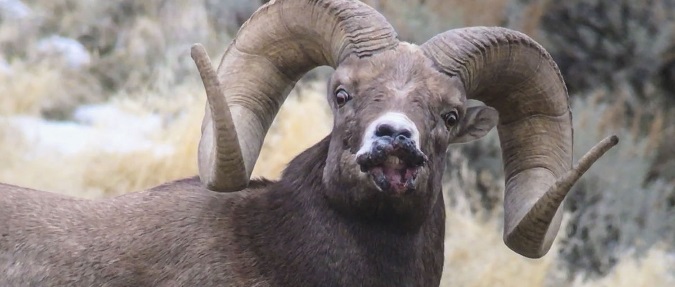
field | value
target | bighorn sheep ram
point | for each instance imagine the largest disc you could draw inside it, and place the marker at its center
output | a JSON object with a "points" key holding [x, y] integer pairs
{"points": [[363, 207]]}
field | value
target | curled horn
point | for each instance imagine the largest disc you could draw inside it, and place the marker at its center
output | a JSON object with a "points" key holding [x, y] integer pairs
{"points": [[509, 71], [281, 42]]}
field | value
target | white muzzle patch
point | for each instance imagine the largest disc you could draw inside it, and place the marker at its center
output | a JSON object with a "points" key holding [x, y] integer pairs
{"points": [[397, 121]]}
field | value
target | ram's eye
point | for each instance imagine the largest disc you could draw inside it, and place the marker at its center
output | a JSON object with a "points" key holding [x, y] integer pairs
{"points": [[450, 118], [342, 97]]}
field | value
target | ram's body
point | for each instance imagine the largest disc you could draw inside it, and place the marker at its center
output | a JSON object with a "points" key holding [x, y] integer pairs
{"points": [[363, 207], [118, 242], [181, 234]]}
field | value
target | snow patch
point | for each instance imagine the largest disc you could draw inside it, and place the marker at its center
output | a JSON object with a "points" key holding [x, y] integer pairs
{"points": [[14, 10], [5, 68], [100, 128], [111, 117], [73, 53]]}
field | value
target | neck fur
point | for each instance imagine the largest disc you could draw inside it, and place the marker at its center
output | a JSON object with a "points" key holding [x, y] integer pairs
{"points": [[292, 224]]}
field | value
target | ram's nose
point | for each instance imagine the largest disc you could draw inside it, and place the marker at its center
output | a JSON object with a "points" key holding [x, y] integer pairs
{"points": [[394, 125], [398, 132], [392, 128]]}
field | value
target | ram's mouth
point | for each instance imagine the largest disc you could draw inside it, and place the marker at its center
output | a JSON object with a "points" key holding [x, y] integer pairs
{"points": [[393, 165]]}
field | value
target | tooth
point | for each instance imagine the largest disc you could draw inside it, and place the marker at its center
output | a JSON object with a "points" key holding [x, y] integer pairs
{"points": [[392, 160]]}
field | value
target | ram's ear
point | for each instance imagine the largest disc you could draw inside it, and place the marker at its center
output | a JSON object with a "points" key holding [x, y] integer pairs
{"points": [[476, 123]]}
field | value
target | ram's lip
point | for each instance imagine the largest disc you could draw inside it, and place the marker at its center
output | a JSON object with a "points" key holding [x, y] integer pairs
{"points": [[393, 168], [394, 176]]}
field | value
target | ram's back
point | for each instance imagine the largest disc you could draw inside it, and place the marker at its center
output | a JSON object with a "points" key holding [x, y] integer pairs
{"points": [[172, 234]]}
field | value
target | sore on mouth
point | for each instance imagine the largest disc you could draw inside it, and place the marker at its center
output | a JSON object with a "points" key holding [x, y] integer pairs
{"points": [[393, 165]]}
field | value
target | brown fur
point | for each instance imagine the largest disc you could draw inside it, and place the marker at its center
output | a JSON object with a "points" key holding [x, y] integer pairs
{"points": [[322, 224], [180, 234]]}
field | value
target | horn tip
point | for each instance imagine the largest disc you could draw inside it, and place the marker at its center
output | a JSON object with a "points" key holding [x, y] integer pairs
{"points": [[614, 140], [197, 48]]}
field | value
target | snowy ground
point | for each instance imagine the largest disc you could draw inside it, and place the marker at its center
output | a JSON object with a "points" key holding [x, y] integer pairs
{"points": [[103, 128]]}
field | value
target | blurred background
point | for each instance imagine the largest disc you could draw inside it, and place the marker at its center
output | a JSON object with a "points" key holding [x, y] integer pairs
{"points": [[98, 98]]}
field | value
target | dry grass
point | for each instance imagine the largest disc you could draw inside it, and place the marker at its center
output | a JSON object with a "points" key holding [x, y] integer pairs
{"points": [[653, 270], [92, 173], [21, 96], [56, 89], [476, 256], [303, 120]]}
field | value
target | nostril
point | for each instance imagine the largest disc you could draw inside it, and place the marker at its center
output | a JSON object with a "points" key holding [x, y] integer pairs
{"points": [[405, 133], [384, 130], [388, 130]]}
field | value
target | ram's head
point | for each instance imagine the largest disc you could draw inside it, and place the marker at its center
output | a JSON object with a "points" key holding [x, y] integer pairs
{"points": [[397, 107]]}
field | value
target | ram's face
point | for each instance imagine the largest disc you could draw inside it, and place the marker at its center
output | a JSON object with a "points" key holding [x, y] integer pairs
{"points": [[394, 116]]}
